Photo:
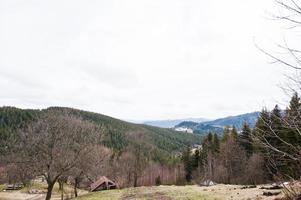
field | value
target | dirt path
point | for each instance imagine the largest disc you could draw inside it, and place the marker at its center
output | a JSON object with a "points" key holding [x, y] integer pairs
{"points": [[234, 192], [144, 194], [17, 195], [40, 186], [189, 192]]}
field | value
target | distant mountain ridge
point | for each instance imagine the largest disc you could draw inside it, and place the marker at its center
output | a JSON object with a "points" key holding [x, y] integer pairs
{"points": [[237, 120], [172, 123], [217, 126]]}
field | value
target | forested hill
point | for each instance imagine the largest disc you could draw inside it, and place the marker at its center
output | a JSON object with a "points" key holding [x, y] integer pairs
{"points": [[237, 121], [116, 134], [217, 126]]}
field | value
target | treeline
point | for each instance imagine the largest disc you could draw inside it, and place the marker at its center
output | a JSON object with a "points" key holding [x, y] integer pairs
{"points": [[115, 134], [230, 159], [68, 145], [278, 137], [12, 119], [269, 152]]}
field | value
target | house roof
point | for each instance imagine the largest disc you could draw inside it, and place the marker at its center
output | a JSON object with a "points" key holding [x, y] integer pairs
{"points": [[99, 182]]}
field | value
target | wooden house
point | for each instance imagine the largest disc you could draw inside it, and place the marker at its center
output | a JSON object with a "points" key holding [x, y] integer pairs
{"points": [[103, 183]]}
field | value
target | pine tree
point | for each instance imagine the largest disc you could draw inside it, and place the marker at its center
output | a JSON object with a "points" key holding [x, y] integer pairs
{"points": [[234, 133], [276, 117], [196, 158], [260, 132], [274, 134], [293, 112], [293, 119], [187, 161], [227, 132], [216, 143], [262, 124], [291, 135], [245, 139], [210, 138], [277, 133], [276, 138], [207, 154], [207, 143]]}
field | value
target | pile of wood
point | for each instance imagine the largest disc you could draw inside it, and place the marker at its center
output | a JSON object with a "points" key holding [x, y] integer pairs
{"points": [[16, 186], [248, 187]]}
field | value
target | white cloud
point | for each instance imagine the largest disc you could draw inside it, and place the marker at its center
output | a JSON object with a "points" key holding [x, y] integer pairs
{"points": [[138, 59]]}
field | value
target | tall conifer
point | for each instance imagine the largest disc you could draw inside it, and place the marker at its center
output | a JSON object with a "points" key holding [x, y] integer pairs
{"points": [[245, 139]]}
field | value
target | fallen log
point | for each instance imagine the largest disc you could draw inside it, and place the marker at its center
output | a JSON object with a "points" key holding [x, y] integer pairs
{"points": [[276, 187], [248, 187], [271, 193]]}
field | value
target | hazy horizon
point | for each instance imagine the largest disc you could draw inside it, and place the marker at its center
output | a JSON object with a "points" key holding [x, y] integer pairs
{"points": [[142, 120], [141, 60]]}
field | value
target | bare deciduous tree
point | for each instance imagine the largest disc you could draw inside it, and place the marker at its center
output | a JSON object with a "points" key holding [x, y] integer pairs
{"points": [[233, 159], [254, 171], [89, 166], [290, 56], [281, 151], [55, 144]]}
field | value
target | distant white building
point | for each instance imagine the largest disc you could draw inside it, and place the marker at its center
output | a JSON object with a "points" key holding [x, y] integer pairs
{"points": [[184, 129]]}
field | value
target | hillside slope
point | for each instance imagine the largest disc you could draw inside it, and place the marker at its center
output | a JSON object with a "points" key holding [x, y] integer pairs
{"points": [[117, 134]]}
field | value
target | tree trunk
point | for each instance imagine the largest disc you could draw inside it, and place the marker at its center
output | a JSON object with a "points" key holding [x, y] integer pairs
{"points": [[135, 179], [49, 190], [62, 191], [75, 187], [60, 185], [129, 179]]}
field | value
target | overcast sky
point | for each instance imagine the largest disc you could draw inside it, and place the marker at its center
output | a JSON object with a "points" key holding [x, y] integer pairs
{"points": [[139, 59]]}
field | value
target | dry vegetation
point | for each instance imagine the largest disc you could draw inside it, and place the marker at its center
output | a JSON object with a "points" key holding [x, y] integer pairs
{"points": [[40, 190], [193, 192]]}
